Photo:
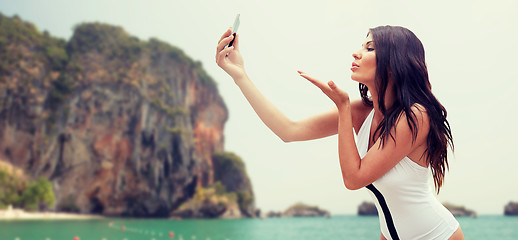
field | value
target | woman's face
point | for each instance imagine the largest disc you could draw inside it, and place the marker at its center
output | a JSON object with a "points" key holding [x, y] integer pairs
{"points": [[364, 65]]}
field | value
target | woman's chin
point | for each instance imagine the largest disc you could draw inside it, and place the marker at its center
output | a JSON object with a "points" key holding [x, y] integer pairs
{"points": [[354, 78], [361, 80]]}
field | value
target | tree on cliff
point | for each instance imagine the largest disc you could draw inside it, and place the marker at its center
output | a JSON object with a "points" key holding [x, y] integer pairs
{"points": [[38, 195], [15, 191], [9, 189]]}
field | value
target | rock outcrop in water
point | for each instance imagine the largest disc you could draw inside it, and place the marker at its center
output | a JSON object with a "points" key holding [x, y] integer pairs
{"points": [[460, 211], [511, 209], [304, 210], [299, 210], [367, 209], [230, 196], [120, 126]]}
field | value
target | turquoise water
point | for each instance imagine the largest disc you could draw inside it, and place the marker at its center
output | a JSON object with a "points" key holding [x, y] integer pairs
{"points": [[336, 227]]}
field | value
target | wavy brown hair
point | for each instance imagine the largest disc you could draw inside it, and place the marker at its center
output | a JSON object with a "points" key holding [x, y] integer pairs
{"points": [[400, 54]]}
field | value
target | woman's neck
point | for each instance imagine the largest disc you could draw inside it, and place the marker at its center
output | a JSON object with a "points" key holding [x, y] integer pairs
{"points": [[389, 98]]}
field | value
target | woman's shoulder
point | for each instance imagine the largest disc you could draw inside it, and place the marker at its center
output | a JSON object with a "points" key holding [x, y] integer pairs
{"points": [[416, 121], [420, 112]]}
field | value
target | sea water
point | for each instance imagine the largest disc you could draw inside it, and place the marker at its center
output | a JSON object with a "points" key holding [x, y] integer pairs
{"points": [[337, 227]]}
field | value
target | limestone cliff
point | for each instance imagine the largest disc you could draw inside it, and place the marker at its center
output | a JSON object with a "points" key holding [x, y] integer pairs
{"points": [[120, 126]]}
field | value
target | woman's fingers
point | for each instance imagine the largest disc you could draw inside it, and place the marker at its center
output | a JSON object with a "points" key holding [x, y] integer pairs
{"points": [[225, 34], [220, 57], [325, 87], [330, 89], [224, 42], [313, 80], [332, 85]]}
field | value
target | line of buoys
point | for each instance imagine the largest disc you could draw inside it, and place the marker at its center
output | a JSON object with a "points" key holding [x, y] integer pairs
{"points": [[171, 234], [141, 231]]}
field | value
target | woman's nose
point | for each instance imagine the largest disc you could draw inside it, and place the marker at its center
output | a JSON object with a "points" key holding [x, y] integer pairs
{"points": [[357, 55]]}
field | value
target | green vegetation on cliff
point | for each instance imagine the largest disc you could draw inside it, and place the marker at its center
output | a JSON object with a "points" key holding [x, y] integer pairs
{"points": [[231, 188], [10, 189], [159, 49], [211, 201], [32, 196], [107, 40], [14, 33], [230, 170], [121, 49], [38, 195], [114, 42]]}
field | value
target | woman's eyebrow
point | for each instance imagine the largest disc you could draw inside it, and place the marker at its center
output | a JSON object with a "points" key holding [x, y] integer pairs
{"points": [[367, 43]]}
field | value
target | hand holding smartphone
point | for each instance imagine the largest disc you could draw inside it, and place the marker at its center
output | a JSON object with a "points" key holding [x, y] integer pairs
{"points": [[234, 29]]}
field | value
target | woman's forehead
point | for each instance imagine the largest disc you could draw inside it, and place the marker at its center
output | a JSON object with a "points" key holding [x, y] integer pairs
{"points": [[368, 39]]}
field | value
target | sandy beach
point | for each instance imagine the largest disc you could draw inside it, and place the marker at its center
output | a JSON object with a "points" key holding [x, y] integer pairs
{"points": [[20, 214]]}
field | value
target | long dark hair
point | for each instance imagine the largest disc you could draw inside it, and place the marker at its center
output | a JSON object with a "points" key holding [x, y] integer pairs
{"points": [[400, 55]]}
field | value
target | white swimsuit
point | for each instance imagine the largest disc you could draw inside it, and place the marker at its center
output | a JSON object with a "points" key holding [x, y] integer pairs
{"points": [[405, 200]]}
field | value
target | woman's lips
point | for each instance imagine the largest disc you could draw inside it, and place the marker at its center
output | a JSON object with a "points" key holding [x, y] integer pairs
{"points": [[355, 67]]}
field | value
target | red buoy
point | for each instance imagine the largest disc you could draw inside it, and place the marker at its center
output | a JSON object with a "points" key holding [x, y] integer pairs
{"points": [[76, 238], [171, 234], [123, 227]]}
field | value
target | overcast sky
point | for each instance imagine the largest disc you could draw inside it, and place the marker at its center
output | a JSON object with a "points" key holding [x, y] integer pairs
{"points": [[470, 51]]}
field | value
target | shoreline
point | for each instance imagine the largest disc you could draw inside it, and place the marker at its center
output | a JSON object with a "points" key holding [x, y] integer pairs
{"points": [[20, 214]]}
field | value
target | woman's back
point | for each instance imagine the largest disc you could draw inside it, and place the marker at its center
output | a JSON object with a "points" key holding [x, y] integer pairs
{"points": [[405, 200]]}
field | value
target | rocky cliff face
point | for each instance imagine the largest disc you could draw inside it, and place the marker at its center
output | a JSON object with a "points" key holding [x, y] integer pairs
{"points": [[120, 126]]}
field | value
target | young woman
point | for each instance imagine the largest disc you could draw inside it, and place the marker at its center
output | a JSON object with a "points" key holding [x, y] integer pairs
{"points": [[403, 134]]}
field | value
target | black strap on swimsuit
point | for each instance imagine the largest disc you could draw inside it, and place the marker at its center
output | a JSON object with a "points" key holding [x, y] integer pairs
{"points": [[386, 211]]}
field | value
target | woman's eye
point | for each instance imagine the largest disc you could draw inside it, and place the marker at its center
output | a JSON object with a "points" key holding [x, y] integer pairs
{"points": [[370, 49]]}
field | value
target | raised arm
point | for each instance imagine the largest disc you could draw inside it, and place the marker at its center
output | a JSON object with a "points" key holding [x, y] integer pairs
{"points": [[317, 126]]}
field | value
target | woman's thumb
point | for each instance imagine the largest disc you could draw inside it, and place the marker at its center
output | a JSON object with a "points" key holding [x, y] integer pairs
{"points": [[332, 85]]}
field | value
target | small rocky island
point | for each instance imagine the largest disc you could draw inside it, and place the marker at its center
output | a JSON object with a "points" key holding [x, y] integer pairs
{"points": [[511, 209], [460, 211], [300, 210], [367, 209]]}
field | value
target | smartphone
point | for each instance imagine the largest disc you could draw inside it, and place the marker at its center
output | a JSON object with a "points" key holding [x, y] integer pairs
{"points": [[234, 29]]}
